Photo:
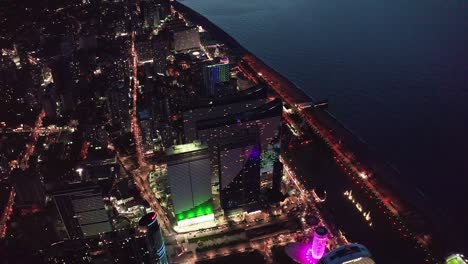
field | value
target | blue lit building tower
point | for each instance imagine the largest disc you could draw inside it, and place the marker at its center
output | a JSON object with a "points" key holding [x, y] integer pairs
{"points": [[215, 74], [149, 224]]}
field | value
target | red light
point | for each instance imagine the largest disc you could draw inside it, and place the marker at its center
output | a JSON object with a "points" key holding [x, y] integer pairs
{"points": [[154, 216]]}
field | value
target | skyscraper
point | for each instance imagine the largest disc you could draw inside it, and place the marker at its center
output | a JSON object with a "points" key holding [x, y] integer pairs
{"points": [[81, 209], [215, 74], [149, 225], [319, 242], [189, 170], [208, 109], [151, 13], [277, 175], [239, 171], [264, 120]]}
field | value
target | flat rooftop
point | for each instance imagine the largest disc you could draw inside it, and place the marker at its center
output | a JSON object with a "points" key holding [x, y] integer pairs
{"points": [[185, 148]]}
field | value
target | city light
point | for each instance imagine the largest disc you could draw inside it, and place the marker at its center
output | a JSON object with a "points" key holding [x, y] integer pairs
{"points": [[190, 222], [319, 242], [363, 175], [195, 212], [146, 112], [79, 171], [366, 215]]}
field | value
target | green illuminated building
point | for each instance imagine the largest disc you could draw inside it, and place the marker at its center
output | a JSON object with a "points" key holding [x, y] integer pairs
{"points": [[200, 210], [189, 171], [455, 259]]}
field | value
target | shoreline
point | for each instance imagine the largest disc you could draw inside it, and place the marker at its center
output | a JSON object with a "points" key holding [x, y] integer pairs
{"points": [[406, 198]]}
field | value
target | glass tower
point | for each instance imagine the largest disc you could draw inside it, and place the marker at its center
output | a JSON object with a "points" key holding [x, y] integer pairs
{"points": [[154, 239], [319, 242]]}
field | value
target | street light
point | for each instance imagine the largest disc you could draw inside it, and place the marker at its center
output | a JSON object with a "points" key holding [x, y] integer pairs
{"points": [[79, 171], [363, 175]]}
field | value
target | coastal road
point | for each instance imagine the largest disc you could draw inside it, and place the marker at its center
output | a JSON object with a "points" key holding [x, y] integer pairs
{"points": [[314, 166], [255, 69]]}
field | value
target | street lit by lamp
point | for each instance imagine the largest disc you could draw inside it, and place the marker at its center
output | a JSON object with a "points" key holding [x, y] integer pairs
{"points": [[79, 171], [363, 175]]}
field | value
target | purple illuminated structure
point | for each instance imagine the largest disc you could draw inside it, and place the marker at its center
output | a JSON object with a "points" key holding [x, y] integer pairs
{"points": [[319, 242]]}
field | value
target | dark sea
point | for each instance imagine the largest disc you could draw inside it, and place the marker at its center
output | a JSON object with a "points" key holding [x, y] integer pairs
{"points": [[395, 72]]}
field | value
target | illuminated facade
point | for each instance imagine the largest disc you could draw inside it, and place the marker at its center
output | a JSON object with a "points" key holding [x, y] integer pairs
{"points": [[455, 259], [352, 253], [189, 171], [214, 74], [242, 101], [319, 242], [264, 120], [151, 13], [149, 225], [196, 217]]}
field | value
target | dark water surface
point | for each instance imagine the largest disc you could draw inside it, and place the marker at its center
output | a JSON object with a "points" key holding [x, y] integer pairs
{"points": [[395, 71]]}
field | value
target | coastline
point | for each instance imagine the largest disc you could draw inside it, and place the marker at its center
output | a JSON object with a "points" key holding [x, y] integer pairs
{"points": [[388, 179]]}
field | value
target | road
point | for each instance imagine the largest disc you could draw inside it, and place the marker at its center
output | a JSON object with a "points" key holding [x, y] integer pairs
{"points": [[134, 118], [361, 219], [289, 93], [24, 159], [7, 211]]}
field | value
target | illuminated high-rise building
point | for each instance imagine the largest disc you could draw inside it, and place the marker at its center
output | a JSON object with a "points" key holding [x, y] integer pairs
{"points": [[239, 170], [319, 242], [264, 120], [352, 253], [208, 109], [151, 13], [189, 171], [149, 225], [215, 74]]}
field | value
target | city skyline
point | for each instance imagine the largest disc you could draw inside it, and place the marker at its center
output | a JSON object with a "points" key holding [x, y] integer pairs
{"points": [[141, 132]]}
